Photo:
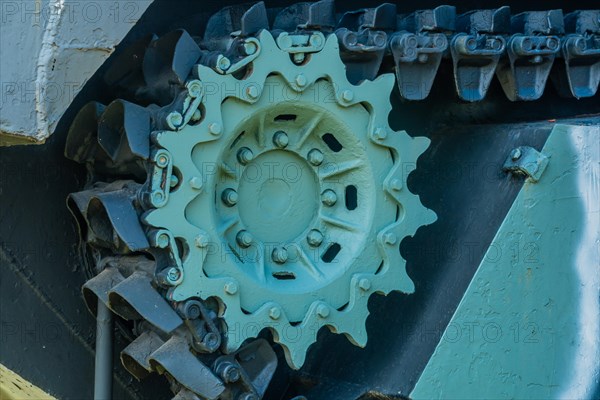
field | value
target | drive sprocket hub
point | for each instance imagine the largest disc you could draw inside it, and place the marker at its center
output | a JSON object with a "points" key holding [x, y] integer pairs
{"points": [[291, 199]]}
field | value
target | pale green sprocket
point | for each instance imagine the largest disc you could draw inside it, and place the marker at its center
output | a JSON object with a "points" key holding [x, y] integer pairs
{"points": [[292, 199]]}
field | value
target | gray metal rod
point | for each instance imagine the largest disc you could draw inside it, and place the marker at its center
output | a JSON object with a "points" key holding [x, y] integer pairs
{"points": [[104, 353]]}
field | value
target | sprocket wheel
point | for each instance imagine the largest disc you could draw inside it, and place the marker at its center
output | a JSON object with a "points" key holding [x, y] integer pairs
{"points": [[289, 197]]}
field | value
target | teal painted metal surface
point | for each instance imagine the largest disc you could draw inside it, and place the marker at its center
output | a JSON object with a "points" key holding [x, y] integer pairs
{"points": [[528, 325], [290, 197]]}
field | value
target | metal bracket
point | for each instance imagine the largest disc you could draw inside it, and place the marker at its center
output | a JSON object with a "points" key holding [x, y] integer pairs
{"points": [[157, 193], [525, 160], [205, 335], [300, 44]]}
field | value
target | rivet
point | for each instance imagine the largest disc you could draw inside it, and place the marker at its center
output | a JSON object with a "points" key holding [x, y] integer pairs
{"points": [[252, 92], [279, 255], [231, 288], [422, 58], [157, 196], [347, 95], [315, 40], [380, 133], [301, 80], [244, 238], [174, 120], [323, 311], [162, 161], [194, 88], [298, 58], [390, 238], [328, 197], [281, 139], [315, 157], [201, 240], [196, 182], [515, 154], [245, 155], [274, 313], [250, 48], [196, 115], [229, 197], [215, 128], [162, 241], [314, 238], [364, 284], [396, 184]]}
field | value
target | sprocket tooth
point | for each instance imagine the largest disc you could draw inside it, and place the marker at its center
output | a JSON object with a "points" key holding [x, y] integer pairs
{"points": [[82, 142], [124, 132], [168, 62], [135, 356], [98, 287], [125, 73], [175, 358], [135, 298]]}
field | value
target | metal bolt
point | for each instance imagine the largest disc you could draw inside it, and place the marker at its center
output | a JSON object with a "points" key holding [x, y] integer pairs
{"points": [[364, 284], [315, 157], [174, 120], [299, 58], [162, 161], [157, 197], [390, 238], [323, 311], [196, 115], [315, 40], [173, 275], [515, 154], [230, 373], [173, 181], [191, 310], [379, 40], [231, 288], [211, 340], [279, 255], [229, 197], [194, 88], [244, 238], [245, 155], [196, 183], [314, 238], [252, 92], [201, 240], [215, 128], [248, 396], [223, 63], [552, 43], [162, 241], [250, 48], [275, 313], [281, 139], [347, 95], [328, 197], [301, 80], [422, 58], [380, 133], [396, 185], [471, 44], [537, 59]]}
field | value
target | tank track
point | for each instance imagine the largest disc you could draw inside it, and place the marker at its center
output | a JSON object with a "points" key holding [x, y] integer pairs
{"points": [[183, 340]]}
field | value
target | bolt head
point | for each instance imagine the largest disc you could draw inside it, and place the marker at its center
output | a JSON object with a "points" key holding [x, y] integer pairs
{"points": [[197, 115], [347, 95], [315, 157], [223, 63], [301, 80], [281, 139], [229, 197], [157, 197], [231, 288], [173, 275], [390, 238], [396, 184], [279, 255], [328, 197], [201, 240], [174, 120], [323, 311], [299, 58], [275, 313], [196, 183], [194, 88], [422, 58], [314, 238], [364, 284], [515, 154], [231, 373], [250, 48], [245, 155], [315, 40], [215, 128], [380, 133], [162, 240], [244, 239], [252, 92], [162, 161], [173, 181]]}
